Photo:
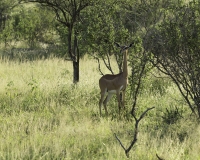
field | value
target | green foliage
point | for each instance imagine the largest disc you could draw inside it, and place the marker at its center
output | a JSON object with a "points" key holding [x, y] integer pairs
{"points": [[172, 115], [6, 7], [33, 25], [62, 32], [175, 49], [104, 27]]}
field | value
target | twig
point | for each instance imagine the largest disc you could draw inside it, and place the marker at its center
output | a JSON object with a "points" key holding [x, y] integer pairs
{"points": [[159, 157], [119, 141], [99, 65], [107, 64]]}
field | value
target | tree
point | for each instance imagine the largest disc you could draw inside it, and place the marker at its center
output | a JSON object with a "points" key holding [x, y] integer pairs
{"points": [[124, 22], [68, 14], [138, 17], [5, 9], [175, 48], [33, 26], [104, 26]]}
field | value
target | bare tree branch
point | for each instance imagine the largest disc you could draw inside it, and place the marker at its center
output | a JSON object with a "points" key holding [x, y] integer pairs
{"points": [[107, 64], [159, 158], [99, 65], [137, 120]]}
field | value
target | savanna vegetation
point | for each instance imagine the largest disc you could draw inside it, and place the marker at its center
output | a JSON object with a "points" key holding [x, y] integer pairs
{"points": [[52, 54]]}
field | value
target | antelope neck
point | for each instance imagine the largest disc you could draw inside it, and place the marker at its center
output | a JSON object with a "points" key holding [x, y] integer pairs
{"points": [[125, 70]]}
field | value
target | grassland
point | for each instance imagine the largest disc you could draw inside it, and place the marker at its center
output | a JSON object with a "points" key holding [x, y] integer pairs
{"points": [[44, 116]]}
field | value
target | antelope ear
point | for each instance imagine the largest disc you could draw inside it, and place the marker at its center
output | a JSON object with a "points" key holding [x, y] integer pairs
{"points": [[131, 45], [117, 44]]}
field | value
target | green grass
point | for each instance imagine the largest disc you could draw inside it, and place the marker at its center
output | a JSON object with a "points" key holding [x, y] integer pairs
{"points": [[44, 116]]}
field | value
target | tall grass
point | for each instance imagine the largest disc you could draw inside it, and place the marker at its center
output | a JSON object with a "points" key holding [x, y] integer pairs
{"points": [[44, 116]]}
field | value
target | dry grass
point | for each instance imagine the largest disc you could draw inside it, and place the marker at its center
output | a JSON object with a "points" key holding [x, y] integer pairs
{"points": [[43, 116]]}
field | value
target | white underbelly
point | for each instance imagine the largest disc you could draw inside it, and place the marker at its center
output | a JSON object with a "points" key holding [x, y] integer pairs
{"points": [[114, 91]]}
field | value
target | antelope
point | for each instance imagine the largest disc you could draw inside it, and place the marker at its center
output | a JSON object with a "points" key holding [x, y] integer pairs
{"points": [[114, 84]]}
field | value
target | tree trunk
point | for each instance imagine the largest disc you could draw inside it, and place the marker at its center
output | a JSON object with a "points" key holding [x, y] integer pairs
{"points": [[76, 60], [75, 72], [74, 54], [197, 103]]}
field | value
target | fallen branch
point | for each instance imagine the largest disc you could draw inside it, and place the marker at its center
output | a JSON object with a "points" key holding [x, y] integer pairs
{"points": [[135, 132]]}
